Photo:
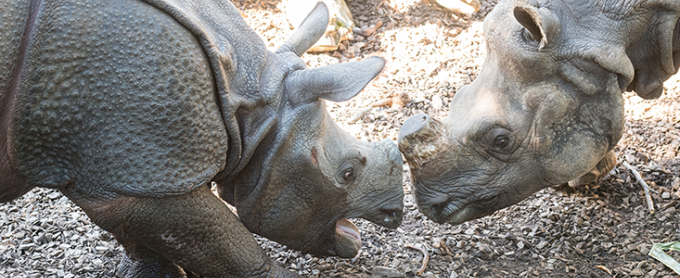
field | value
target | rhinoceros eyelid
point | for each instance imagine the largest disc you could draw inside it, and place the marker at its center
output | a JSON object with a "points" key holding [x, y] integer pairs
{"points": [[348, 171], [493, 135], [488, 125], [499, 150]]}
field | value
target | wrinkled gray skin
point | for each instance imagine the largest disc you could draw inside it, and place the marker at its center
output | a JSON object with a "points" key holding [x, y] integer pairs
{"points": [[547, 107], [132, 108]]}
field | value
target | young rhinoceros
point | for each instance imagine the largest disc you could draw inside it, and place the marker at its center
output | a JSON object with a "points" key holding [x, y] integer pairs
{"points": [[547, 107], [132, 108]]}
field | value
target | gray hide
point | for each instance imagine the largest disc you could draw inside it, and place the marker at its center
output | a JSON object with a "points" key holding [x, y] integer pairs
{"points": [[132, 108], [547, 107]]}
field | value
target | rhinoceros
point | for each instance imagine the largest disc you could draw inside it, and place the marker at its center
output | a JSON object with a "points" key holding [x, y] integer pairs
{"points": [[547, 107], [132, 109]]}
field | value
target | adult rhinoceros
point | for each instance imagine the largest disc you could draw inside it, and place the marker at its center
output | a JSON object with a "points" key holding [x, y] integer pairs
{"points": [[547, 107], [132, 108]]}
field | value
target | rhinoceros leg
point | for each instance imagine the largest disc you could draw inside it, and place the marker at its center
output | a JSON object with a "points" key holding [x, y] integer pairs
{"points": [[195, 231], [601, 169], [147, 263]]}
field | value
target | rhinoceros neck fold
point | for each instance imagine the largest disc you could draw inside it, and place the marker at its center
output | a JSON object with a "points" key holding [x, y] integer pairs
{"points": [[19, 30], [642, 33], [652, 53]]}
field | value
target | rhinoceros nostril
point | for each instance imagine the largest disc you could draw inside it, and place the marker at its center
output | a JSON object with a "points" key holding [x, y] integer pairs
{"points": [[392, 218]]}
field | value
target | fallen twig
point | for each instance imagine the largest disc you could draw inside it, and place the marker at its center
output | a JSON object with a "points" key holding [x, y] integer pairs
{"points": [[426, 258], [650, 205], [605, 269], [464, 7], [354, 260], [360, 114], [380, 4], [668, 205], [370, 30], [397, 100]]}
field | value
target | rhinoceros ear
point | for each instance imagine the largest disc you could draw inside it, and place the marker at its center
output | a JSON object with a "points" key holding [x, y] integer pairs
{"points": [[337, 82], [310, 30], [541, 23]]}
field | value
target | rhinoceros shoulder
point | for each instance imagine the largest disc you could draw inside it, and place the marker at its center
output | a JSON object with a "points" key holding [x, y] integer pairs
{"points": [[116, 96]]}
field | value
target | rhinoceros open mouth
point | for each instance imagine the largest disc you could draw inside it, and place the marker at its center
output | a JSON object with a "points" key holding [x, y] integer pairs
{"points": [[347, 229], [347, 239]]}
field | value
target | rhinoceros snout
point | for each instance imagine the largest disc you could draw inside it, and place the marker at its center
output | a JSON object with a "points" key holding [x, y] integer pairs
{"points": [[393, 218], [389, 215], [383, 197], [391, 150]]}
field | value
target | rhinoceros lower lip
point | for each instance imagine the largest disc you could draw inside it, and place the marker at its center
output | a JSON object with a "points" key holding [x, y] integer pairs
{"points": [[471, 211], [347, 229], [461, 215]]}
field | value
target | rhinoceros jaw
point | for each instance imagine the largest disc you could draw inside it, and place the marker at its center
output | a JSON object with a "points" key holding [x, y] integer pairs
{"points": [[461, 216], [347, 229]]}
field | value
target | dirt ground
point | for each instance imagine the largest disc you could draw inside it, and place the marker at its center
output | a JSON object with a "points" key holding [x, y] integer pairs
{"points": [[600, 230]]}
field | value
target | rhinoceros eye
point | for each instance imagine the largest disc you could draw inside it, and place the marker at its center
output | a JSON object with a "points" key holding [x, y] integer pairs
{"points": [[501, 141], [348, 171], [348, 175]]}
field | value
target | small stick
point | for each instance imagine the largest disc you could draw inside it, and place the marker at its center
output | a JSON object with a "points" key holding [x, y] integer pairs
{"points": [[426, 259], [381, 3], [360, 114], [650, 205], [371, 29], [605, 269], [397, 100], [388, 102]]}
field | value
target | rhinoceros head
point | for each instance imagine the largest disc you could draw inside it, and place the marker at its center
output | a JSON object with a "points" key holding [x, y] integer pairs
{"points": [[307, 175], [546, 108]]}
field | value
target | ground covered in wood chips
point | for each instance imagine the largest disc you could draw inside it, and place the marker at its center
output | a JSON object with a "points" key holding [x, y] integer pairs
{"points": [[600, 230]]}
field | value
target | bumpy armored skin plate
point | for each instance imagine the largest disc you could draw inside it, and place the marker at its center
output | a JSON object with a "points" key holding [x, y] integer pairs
{"points": [[117, 95]]}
